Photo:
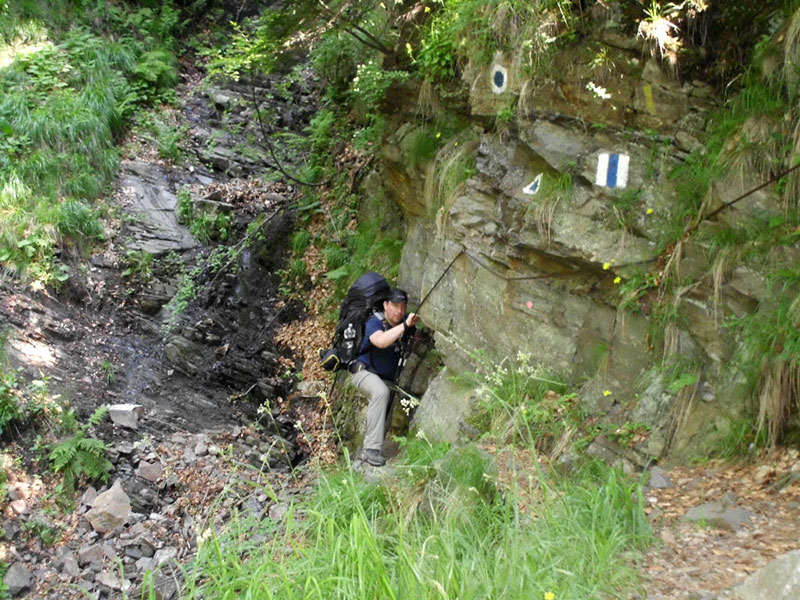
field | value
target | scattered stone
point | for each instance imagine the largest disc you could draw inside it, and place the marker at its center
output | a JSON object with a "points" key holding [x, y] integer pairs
{"points": [[91, 553], [779, 580], [189, 457], [165, 554], [201, 449], [89, 496], [12, 492], [147, 548], [253, 506], [603, 449], [113, 581], [220, 99], [110, 509], [150, 471], [66, 562], [717, 515], [19, 506], [124, 448], [278, 510], [126, 415], [17, 579], [735, 518], [659, 479], [70, 567]]}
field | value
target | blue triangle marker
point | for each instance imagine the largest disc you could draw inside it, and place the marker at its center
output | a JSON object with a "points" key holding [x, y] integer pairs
{"points": [[533, 187]]}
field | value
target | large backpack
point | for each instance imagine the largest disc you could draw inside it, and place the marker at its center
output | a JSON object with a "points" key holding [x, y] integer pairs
{"points": [[363, 298]]}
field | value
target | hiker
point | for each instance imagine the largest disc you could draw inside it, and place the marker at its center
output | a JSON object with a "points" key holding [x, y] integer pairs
{"points": [[376, 367]]}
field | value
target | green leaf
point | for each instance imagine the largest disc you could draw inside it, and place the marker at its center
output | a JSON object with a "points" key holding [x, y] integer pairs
{"points": [[683, 380], [337, 274]]}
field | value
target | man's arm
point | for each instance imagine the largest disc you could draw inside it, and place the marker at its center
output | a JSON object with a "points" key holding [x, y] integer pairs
{"points": [[384, 339]]}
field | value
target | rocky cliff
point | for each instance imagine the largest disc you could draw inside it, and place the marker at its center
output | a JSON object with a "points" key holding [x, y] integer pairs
{"points": [[560, 195]]}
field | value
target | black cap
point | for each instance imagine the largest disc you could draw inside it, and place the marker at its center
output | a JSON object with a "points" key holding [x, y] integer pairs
{"points": [[397, 295]]}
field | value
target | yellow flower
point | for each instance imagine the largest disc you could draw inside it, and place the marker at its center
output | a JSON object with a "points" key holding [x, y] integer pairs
{"points": [[606, 266], [549, 596], [606, 392], [438, 135], [427, 9], [649, 211], [617, 279], [455, 145]]}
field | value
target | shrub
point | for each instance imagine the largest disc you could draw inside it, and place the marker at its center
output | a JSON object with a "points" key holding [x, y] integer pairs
{"points": [[9, 401], [519, 402], [76, 220]]}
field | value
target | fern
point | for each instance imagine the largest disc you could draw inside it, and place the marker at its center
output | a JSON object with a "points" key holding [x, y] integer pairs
{"points": [[81, 457], [9, 407]]}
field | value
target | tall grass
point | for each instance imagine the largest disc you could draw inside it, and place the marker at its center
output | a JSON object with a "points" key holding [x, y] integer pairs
{"points": [[71, 76], [446, 534]]}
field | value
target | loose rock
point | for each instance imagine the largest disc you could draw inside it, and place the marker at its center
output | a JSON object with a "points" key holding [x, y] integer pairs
{"points": [[17, 579], [110, 509], [126, 415], [150, 471]]}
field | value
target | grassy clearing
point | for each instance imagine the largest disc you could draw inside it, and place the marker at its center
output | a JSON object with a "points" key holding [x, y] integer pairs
{"points": [[441, 529], [67, 96]]}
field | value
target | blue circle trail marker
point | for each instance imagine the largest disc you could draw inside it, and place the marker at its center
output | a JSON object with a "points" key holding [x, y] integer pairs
{"points": [[499, 79], [612, 170]]}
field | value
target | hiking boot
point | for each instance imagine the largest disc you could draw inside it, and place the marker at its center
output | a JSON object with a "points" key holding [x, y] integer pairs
{"points": [[374, 457]]}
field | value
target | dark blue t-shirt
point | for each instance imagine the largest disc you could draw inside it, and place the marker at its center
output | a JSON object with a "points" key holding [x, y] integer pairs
{"points": [[381, 360]]}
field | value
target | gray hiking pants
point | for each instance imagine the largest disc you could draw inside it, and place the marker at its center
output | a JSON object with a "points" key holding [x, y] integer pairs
{"points": [[377, 390]]}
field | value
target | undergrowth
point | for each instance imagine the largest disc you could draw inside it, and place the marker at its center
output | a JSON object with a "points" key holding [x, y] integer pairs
{"points": [[442, 528], [80, 457], [30, 406], [68, 93]]}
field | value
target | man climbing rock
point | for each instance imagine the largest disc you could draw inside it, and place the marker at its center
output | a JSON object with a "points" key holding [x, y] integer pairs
{"points": [[376, 368]]}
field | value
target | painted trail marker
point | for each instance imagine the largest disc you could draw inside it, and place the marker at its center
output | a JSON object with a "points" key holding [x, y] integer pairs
{"points": [[533, 187], [499, 79], [612, 170]]}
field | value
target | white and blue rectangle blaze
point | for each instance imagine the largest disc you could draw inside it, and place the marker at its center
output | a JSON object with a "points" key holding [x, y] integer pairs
{"points": [[612, 170]]}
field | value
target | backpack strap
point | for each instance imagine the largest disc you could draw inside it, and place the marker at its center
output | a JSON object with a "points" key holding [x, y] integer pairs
{"points": [[382, 317]]}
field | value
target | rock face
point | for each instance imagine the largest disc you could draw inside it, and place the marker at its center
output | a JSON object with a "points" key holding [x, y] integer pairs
{"points": [[779, 580], [156, 229], [548, 220]]}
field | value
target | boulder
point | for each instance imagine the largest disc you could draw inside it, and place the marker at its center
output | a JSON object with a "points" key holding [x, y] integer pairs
{"points": [[779, 580], [442, 413]]}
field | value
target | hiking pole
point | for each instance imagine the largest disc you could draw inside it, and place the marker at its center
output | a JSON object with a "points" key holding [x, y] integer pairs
{"points": [[405, 351], [452, 262]]}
